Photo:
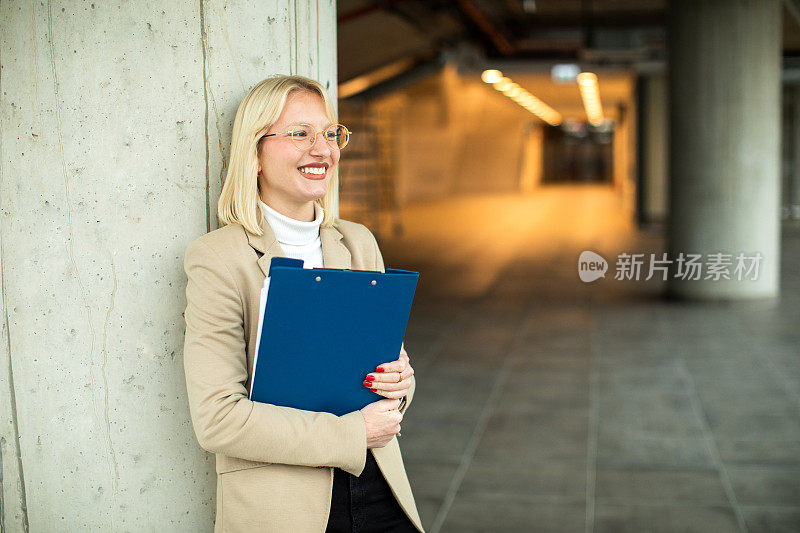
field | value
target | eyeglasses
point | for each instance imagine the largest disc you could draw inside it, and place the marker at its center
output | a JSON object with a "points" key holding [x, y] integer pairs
{"points": [[304, 136]]}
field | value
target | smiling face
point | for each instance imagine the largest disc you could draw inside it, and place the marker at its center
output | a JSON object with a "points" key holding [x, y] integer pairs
{"points": [[282, 184]]}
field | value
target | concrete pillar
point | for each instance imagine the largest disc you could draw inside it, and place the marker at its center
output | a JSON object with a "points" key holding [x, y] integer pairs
{"points": [[114, 124], [624, 148], [532, 158], [654, 148], [794, 177], [724, 62]]}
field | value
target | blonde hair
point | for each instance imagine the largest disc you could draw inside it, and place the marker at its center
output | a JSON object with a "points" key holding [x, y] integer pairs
{"points": [[259, 110]]}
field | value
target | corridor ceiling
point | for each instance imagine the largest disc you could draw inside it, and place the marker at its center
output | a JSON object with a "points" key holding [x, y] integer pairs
{"points": [[403, 36]]}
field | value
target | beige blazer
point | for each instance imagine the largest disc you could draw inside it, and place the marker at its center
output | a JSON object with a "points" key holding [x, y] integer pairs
{"points": [[274, 464]]}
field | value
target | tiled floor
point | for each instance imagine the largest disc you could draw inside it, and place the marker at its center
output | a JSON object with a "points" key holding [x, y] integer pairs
{"points": [[548, 404]]}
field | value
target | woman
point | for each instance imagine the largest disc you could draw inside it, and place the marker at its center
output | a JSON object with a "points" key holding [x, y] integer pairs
{"points": [[282, 469]]}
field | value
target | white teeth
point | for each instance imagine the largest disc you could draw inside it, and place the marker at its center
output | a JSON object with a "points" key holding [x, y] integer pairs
{"points": [[313, 170]]}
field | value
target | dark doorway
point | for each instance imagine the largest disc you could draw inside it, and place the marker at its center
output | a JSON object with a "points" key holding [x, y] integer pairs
{"points": [[576, 152]]}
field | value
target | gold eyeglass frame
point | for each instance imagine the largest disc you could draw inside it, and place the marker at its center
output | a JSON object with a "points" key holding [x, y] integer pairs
{"points": [[290, 133]]}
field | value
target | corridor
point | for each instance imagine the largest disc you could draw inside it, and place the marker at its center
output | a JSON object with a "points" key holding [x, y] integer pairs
{"points": [[548, 404]]}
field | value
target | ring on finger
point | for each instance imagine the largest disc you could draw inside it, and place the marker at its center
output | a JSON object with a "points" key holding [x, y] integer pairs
{"points": [[399, 377]]}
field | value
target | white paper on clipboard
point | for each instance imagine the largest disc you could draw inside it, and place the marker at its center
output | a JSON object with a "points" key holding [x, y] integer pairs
{"points": [[262, 306]]}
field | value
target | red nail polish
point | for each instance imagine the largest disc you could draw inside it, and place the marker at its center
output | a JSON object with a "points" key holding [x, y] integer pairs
{"points": [[370, 378], [367, 384], [379, 369], [373, 389]]}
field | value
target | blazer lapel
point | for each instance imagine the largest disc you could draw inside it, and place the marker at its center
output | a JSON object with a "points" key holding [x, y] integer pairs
{"points": [[267, 244], [334, 253]]}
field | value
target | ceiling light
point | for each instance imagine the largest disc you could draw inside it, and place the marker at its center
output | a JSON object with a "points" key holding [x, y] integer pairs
{"points": [[521, 96], [590, 93], [491, 76]]}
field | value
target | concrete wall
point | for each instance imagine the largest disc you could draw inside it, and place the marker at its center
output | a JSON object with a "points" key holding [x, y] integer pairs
{"points": [[115, 124], [459, 137]]}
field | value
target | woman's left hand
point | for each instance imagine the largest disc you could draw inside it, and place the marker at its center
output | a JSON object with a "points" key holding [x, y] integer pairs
{"points": [[391, 380]]}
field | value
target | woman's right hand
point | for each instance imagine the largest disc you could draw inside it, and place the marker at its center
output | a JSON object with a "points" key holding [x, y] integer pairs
{"points": [[383, 422]]}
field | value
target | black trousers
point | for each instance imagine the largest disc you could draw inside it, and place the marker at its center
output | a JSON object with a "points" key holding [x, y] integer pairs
{"points": [[365, 504]]}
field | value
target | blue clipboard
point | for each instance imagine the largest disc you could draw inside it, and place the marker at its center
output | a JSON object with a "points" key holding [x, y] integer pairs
{"points": [[324, 330]]}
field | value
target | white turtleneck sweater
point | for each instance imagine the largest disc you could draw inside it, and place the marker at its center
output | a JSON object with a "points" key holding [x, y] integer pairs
{"points": [[298, 239]]}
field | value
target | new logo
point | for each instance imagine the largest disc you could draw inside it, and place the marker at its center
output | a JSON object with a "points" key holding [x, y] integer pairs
{"points": [[591, 266]]}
